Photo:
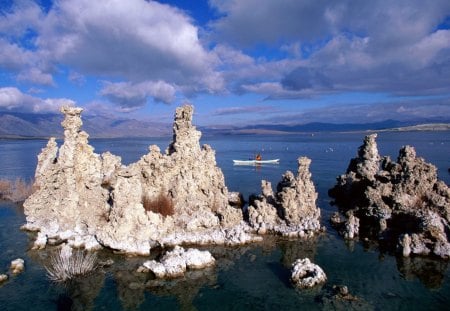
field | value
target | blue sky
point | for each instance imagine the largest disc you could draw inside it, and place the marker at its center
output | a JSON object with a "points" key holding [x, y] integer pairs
{"points": [[236, 61]]}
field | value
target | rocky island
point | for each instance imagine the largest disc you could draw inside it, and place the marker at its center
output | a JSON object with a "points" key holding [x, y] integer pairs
{"points": [[165, 199], [401, 204], [292, 210]]}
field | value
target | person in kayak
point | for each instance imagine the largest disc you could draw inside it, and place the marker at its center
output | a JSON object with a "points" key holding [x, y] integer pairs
{"points": [[258, 157]]}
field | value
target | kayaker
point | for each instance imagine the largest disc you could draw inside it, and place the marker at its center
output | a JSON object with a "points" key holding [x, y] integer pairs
{"points": [[258, 157]]}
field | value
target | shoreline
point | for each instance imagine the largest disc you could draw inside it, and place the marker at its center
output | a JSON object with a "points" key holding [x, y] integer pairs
{"points": [[249, 133]]}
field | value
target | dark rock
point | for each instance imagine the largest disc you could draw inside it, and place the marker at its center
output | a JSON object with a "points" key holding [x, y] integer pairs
{"points": [[402, 201]]}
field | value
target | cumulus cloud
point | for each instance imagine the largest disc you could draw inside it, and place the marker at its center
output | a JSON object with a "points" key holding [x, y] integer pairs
{"points": [[130, 96], [134, 40], [20, 17], [250, 22], [316, 47], [377, 46], [37, 76], [244, 73], [77, 78], [13, 99]]}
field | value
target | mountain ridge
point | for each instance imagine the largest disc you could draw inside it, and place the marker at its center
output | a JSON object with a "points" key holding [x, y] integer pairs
{"points": [[29, 125]]}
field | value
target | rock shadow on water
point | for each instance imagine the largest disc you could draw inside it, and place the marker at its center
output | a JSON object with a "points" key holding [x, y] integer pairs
{"points": [[429, 271]]}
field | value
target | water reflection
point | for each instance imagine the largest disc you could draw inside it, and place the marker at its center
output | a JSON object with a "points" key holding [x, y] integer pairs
{"points": [[252, 276], [133, 289], [430, 271], [198, 289], [80, 293]]}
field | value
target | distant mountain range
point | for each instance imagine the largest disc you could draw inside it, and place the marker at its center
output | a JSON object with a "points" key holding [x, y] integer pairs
{"points": [[392, 125], [23, 125], [28, 125]]}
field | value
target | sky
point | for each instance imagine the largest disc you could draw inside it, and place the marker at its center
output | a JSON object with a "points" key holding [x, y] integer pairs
{"points": [[239, 62]]}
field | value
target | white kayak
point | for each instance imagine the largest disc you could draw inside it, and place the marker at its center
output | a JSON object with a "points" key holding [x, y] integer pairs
{"points": [[254, 162]]}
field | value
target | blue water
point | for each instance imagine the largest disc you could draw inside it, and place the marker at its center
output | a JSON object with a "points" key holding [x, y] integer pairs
{"points": [[254, 277]]}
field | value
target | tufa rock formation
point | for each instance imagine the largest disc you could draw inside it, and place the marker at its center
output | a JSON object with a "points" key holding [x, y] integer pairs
{"points": [[3, 278], [402, 203], [91, 200], [17, 266], [174, 263], [292, 210], [305, 274]]}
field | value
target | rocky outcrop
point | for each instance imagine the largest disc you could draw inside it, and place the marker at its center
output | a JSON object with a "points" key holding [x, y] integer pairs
{"points": [[306, 274], [175, 263], [292, 210], [69, 201], [90, 200], [403, 203]]}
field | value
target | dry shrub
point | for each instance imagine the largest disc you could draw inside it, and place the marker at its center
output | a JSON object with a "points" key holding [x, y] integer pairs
{"points": [[15, 191], [67, 265], [160, 204], [5, 189]]}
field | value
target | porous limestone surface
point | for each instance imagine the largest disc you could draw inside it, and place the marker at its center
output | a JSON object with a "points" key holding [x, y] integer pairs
{"points": [[305, 274], [174, 263], [292, 210], [402, 202], [90, 200], [166, 198]]}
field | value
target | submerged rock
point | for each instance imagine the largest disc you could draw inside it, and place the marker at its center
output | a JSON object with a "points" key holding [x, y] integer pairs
{"points": [[90, 200], [306, 274], [403, 202], [174, 263], [338, 297], [292, 210]]}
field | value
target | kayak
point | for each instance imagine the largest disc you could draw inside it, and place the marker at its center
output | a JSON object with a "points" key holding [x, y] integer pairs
{"points": [[254, 162]]}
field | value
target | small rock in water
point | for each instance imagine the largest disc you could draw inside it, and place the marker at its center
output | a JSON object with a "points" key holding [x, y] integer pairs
{"points": [[174, 263], [17, 266], [306, 274], [3, 278]]}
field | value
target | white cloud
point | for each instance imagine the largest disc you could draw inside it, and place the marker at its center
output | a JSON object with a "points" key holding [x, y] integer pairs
{"points": [[250, 22], [77, 78], [318, 47], [22, 16], [134, 40], [12, 57], [377, 46], [37, 76], [130, 96], [13, 99]]}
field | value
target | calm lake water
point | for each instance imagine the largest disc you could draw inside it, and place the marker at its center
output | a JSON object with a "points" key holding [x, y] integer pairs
{"points": [[252, 277]]}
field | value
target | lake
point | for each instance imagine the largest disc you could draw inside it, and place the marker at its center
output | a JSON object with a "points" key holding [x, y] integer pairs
{"points": [[251, 277]]}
